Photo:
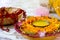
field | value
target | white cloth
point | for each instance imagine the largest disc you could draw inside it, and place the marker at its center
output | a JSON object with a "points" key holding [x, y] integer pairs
{"points": [[11, 35]]}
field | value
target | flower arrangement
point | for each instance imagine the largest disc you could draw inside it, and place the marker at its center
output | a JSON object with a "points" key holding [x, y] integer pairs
{"points": [[38, 27]]}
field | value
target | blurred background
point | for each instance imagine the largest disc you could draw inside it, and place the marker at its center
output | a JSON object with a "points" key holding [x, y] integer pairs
{"points": [[28, 5]]}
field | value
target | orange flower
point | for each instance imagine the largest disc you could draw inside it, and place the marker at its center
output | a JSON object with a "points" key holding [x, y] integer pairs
{"points": [[53, 24]]}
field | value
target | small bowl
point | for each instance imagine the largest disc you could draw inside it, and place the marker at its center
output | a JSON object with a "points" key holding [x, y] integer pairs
{"points": [[11, 15]]}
